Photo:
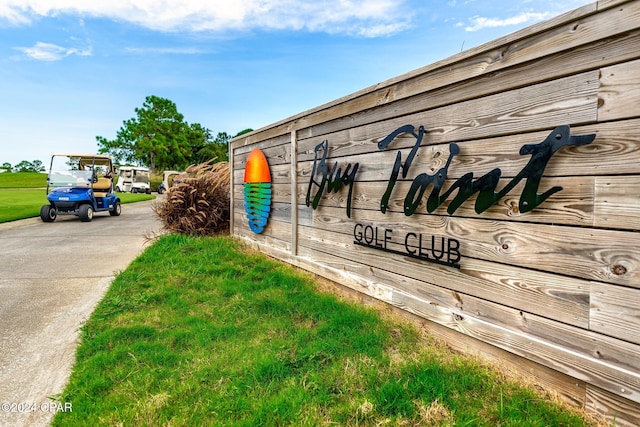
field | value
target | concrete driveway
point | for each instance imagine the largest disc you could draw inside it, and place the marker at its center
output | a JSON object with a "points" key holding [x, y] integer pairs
{"points": [[51, 277]]}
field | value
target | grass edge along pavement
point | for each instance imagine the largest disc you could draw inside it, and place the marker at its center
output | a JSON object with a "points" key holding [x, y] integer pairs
{"points": [[204, 331]]}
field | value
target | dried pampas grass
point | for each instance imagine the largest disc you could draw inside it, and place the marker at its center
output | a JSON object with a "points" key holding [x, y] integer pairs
{"points": [[199, 203]]}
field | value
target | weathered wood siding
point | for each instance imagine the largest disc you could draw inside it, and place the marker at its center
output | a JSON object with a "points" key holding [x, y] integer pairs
{"points": [[556, 290]]}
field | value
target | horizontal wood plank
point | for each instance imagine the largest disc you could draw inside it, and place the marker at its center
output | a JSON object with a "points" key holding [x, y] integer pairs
{"points": [[277, 150], [620, 91], [540, 377], [276, 233], [280, 174], [571, 206], [615, 311], [617, 411], [570, 100], [617, 202]]}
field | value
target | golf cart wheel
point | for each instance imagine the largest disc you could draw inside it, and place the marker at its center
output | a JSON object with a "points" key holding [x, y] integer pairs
{"points": [[85, 213], [118, 190], [117, 209], [48, 213]]}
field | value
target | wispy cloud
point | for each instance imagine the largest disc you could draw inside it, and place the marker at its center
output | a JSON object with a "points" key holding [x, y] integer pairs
{"points": [[165, 50], [12, 14], [51, 52], [367, 18], [479, 23]]}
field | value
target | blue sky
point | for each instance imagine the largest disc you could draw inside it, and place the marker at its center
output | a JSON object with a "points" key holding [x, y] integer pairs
{"points": [[71, 70]]}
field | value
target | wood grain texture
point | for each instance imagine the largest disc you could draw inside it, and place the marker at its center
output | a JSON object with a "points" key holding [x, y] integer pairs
{"points": [[602, 255], [570, 388], [538, 376], [571, 206], [569, 100], [614, 151], [547, 295], [617, 202], [606, 202], [620, 413], [620, 91], [292, 192], [605, 4], [615, 311]]}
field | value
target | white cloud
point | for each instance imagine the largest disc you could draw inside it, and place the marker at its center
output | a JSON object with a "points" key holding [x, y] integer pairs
{"points": [[358, 17], [51, 52], [9, 13], [479, 23]]}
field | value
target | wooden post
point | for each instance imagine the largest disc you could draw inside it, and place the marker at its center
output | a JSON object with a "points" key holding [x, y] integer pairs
{"points": [[231, 189], [294, 192]]}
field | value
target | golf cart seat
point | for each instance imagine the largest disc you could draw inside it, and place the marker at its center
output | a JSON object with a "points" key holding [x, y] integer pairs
{"points": [[101, 187]]}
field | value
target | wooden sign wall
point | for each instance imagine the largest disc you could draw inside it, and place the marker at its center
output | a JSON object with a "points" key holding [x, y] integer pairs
{"points": [[495, 194]]}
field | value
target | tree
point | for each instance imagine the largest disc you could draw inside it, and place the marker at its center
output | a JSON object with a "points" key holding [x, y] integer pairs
{"points": [[214, 149], [242, 132], [218, 148], [6, 166], [38, 166], [157, 137]]}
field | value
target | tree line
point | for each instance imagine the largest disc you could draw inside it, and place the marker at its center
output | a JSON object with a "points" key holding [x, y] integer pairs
{"points": [[23, 166], [158, 137]]}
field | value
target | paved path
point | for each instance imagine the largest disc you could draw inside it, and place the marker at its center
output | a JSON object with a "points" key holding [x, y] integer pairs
{"points": [[51, 277]]}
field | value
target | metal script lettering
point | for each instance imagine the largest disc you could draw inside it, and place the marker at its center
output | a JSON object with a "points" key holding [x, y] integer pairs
{"points": [[333, 179], [465, 186]]}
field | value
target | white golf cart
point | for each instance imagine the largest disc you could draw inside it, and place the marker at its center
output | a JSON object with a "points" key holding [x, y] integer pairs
{"points": [[133, 179]]}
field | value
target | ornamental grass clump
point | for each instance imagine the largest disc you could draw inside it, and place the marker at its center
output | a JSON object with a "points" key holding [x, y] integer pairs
{"points": [[199, 203]]}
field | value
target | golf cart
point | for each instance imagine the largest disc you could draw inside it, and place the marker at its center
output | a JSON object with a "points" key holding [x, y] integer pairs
{"points": [[133, 179], [80, 184]]}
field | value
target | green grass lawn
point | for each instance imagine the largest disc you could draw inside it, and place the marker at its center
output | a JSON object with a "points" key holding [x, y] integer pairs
{"points": [[19, 204], [23, 180], [200, 331]]}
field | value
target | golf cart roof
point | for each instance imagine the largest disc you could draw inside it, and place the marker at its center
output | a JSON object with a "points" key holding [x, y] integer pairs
{"points": [[101, 159], [142, 168]]}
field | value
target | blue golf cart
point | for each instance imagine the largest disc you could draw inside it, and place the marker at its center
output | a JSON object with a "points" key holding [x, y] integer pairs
{"points": [[80, 184]]}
